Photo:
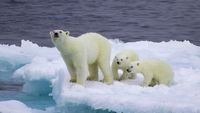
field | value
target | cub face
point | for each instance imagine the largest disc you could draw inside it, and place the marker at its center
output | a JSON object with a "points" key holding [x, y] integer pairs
{"points": [[121, 60], [133, 67], [58, 35]]}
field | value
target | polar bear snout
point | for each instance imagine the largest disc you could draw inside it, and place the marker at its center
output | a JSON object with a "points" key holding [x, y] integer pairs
{"points": [[131, 69], [128, 70], [56, 35], [118, 62]]}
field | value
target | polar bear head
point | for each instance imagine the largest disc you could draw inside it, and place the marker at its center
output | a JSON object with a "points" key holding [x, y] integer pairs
{"points": [[58, 35], [133, 67], [121, 60]]}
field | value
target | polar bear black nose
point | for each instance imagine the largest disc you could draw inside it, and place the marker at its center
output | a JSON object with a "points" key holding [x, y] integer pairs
{"points": [[128, 70], [56, 35], [118, 63]]}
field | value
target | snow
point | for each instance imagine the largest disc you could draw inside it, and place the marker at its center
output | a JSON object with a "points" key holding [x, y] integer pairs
{"points": [[122, 97], [44, 73], [14, 106], [12, 57], [15, 55]]}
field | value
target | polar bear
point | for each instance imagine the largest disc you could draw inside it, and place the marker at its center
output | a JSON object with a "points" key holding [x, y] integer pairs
{"points": [[121, 61], [154, 71], [83, 55]]}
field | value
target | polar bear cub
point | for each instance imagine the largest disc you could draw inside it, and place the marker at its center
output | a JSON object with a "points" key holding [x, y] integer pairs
{"points": [[83, 55], [121, 61], [154, 71]]}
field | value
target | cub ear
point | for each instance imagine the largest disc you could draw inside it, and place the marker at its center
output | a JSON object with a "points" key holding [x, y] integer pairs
{"points": [[67, 32], [50, 32], [138, 63]]}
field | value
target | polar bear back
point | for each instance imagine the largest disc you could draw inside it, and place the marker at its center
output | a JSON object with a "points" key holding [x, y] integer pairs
{"points": [[160, 69], [95, 44]]}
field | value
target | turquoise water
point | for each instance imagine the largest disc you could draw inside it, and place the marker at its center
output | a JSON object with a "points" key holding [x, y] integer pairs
{"points": [[43, 102], [82, 108], [33, 101]]}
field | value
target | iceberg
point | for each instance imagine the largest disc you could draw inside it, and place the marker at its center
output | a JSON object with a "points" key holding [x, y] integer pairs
{"points": [[44, 73], [13, 57]]}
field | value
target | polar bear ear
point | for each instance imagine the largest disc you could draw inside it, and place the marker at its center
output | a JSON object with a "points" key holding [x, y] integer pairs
{"points": [[126, 57], [67, 32], [138, 63]]}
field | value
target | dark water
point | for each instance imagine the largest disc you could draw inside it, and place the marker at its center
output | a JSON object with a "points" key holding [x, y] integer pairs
{"points": [[128, 20]]}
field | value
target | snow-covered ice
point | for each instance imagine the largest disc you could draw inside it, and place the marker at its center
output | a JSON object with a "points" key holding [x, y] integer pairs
{"points": [[44, 73], [14, 106]]}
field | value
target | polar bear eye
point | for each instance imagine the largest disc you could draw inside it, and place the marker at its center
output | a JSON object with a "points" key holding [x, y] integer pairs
{"points": [[131, 66], [121, 59], [60, 32]]}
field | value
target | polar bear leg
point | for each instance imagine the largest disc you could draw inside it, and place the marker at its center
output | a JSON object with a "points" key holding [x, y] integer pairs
{"points": [[93, 69], [71, 70], [105, 68], [147, 79], [82, 74], [107, 73], [81, 67], [115, 71], [164, 81], [153, 82], [72, 73], [115, 74], [124, 75], [132, 76]]}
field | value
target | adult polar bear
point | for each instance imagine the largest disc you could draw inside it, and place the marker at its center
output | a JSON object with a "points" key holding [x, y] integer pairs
{"points": [[83, 55]]}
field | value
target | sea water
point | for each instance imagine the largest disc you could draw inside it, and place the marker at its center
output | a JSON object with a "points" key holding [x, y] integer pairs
{"points": [[129, 20]]}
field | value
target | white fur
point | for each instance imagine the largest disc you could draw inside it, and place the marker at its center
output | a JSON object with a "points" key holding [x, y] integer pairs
{"points": [[84, 54], [154, 71], [123, 58]]}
